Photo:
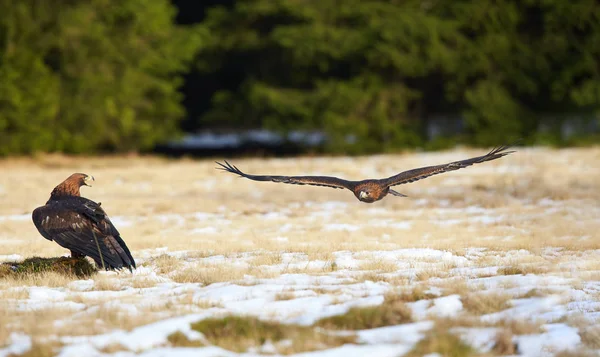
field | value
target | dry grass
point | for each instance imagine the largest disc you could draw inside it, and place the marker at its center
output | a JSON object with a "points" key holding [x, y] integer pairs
{"points": [[520, 326], [266, 259], [177, 226], [39, 349], [589, 333], [107, 283], [454, 285], [523, 269], [439, 340], [50, 279], [164, 263], [113, 348], [590, 336], [14, 293], [504, 344], [127, 193], [485, 303], [379, 266], [285, 295], [207, 274], [580, 352]]}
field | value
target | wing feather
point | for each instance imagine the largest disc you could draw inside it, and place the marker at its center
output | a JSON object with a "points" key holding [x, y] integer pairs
{"points": [[424, 172], [326, 181], [77, 227]]}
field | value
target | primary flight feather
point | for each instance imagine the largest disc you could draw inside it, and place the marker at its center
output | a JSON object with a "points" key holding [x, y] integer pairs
{"points": [[372, 190]]}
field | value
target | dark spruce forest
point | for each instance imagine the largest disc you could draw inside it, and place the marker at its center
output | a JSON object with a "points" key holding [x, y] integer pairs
{"points": [[352, 76]]}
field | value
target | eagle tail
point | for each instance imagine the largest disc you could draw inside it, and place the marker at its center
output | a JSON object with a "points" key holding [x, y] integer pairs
{"points": [[396, 193]]}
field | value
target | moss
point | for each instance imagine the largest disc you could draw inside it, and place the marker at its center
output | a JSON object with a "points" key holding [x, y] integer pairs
{"points": [[79, 267], [440, 341], [392, 311], [239, 333], [179, 339]]}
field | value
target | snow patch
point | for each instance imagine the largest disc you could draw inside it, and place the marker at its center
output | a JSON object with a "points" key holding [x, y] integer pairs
{"points": [[557, 338], [341, 227], [18, 344]]}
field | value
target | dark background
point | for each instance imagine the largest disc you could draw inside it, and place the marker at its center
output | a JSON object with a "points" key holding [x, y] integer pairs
{"points": [[295, 76]]}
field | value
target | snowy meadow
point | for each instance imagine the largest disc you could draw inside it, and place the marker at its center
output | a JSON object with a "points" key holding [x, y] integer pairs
{"points": [[498, 259]]}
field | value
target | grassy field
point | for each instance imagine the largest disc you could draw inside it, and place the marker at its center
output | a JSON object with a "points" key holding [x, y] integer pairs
{"points": [[496, 259]]}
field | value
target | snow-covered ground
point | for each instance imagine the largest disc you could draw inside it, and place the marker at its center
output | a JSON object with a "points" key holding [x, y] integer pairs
{"points": [[312, 296], [505, 256]]}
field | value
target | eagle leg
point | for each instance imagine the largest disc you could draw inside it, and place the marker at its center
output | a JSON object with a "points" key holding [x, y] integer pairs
{"points": [[395, 193]]}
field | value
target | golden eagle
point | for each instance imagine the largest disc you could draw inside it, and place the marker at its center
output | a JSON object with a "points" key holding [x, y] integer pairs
{"points": [[372, 190], [82, 226]]}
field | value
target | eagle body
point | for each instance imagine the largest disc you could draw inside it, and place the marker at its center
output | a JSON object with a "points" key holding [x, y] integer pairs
{"points": [[369, 191], [372, 190], [82, 226]]}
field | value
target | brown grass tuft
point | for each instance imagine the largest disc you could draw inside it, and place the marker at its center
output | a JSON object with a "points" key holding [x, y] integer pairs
{"points": [[392, 311], [520, 327], [590, 336], [208, 274], [113, 348], [266, 259], [179, 339], [439, 340], [503, 344], [39, 349], [580, 352], [164, 263], [522, 269], [485, 303], [285, 295]]}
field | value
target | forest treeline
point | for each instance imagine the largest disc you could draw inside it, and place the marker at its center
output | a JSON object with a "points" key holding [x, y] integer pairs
{"points": [[89, 76]]}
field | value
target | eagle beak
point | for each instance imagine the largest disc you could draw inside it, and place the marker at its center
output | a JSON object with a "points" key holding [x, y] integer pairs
{"points": [[88, 179], [362, 194]]}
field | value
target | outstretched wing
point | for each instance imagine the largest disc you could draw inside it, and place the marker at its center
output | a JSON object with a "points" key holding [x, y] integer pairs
{"points": [[327, 181], [84, 229], [424, 172]]}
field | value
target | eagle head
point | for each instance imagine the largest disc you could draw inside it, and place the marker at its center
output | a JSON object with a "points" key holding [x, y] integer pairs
{"points": [[367, 196], [87, 179], [70, 186], [78, 179]]}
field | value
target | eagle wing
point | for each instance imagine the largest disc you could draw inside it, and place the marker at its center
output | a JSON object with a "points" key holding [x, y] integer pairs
{"points": [[424, 172], [327, 181], [82, 226]]}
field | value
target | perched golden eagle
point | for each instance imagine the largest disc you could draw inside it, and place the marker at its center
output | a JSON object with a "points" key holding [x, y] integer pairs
{"points": [[82, 226], [372, 190]]}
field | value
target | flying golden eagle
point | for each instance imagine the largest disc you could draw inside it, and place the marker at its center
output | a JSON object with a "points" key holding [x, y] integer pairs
{"points": [[82, 226], [372, 190]]}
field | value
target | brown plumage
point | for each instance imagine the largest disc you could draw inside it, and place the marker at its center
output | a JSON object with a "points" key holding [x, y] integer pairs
{"points": [[372, 190], [80, 225]]}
